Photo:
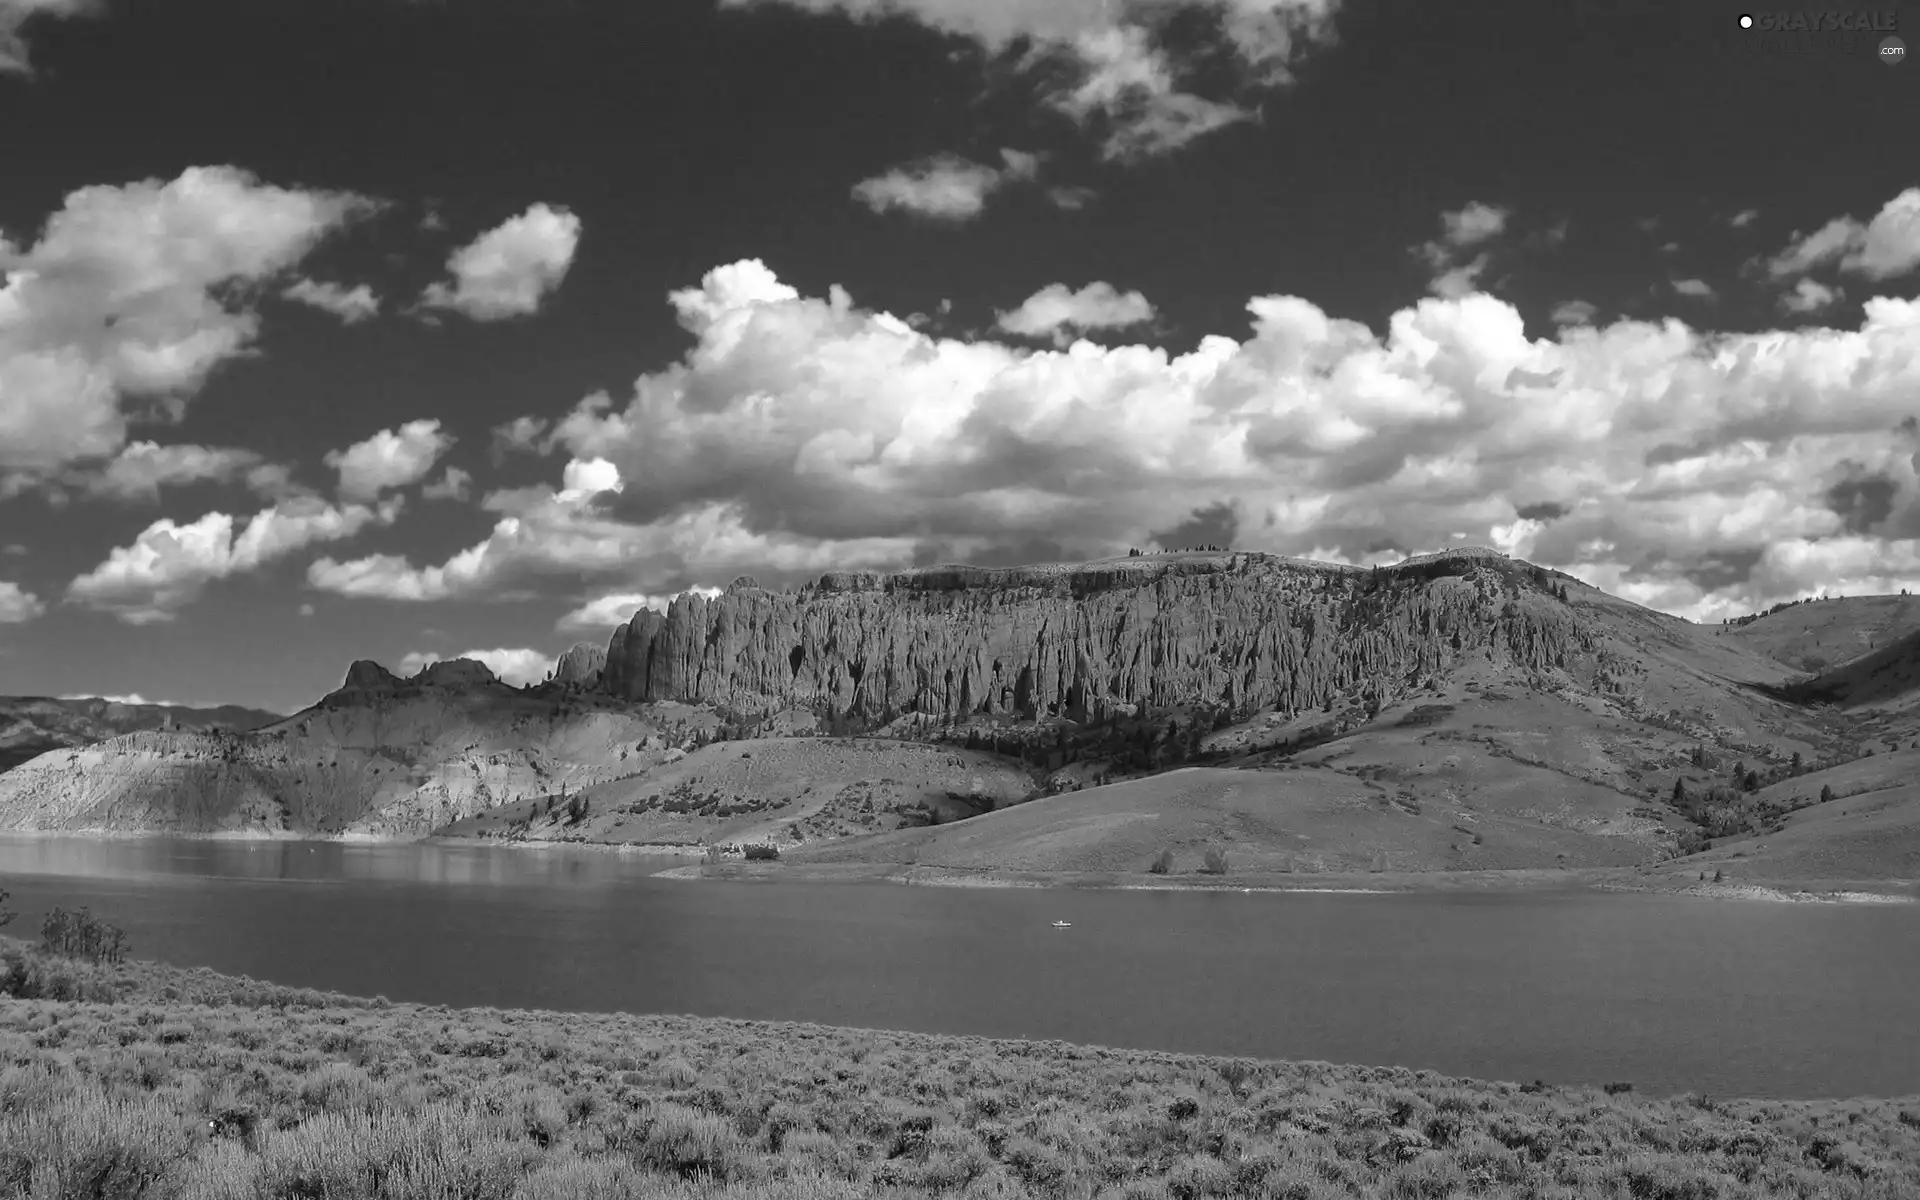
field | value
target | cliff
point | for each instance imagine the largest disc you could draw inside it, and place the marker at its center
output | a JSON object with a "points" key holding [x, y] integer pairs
{"points": [[581, 665], [1241, 630]]}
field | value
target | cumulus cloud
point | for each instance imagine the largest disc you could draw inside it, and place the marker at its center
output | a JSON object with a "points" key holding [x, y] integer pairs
{"points": [[18, 605], [1809, 296], [603, 613], [1744, 218], [137, 293], [389, 459], [522, 435], [141, 469], [14, 18], [453, 485], [1698, 289], [944, 187], [1885, 247], [509, 271], [169, 564], [517, 667], [801, 434], [351, 305], [1054, 311], [1115, 66], [1574, 312], [1451, 256]]}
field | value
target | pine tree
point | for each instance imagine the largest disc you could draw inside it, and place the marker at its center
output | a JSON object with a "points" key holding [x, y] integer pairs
{"points": [[1826, 792], [1679, 791]]}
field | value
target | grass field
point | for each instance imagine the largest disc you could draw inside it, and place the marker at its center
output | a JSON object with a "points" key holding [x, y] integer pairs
{"points": [[194, 1085]]}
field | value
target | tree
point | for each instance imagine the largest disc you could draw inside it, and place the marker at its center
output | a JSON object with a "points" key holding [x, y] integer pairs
{"points": [[1752, 782], [1826, 792], [1796, 766], [1679, 791], [6, 915]]}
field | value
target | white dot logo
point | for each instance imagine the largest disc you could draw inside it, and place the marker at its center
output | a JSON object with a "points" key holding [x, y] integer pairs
{"points": [[1746, 22]]}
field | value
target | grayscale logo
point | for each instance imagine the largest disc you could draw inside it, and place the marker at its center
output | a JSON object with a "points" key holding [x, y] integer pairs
{"points": [[1893, 51]]}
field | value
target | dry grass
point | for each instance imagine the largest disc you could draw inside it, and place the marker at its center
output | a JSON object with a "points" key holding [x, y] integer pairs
{"points": [[319, 1096]]}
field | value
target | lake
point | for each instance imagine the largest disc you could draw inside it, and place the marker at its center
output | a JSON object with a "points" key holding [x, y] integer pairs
{"points": [[1669, 993]]}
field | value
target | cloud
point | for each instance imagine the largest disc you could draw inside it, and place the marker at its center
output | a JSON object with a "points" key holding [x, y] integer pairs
{"points": [[1474, 225], [1744, 218], [1808, 296], [517, 667], [1883, 248], [602, 613], [803, 433], [141, 469], [14, 16], [18, 606], [351, 306], [1127, 71], [124, 698], [522, 435], [451, 486], [1053, 310], [169, 565], [389, 459], [1574, 312], [1696, 288], [137, 293], [1071, 199], [944, 187], [1217, 524], [509, 271]]}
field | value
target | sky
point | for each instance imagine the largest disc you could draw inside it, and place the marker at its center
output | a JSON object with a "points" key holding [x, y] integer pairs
{"points": [[407, 329]]}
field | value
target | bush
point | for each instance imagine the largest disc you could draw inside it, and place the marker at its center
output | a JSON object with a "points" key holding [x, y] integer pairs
{"points": [[1162, 863], [1214, 862], [82, 935], [762, 853]]}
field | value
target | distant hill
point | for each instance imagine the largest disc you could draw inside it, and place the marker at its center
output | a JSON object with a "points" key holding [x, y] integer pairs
{"points": [[1816, 635], [33, 725], [1462, 711]]}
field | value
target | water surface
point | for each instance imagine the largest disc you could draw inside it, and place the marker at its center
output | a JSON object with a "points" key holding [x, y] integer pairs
{"points": [[1670, 993]]}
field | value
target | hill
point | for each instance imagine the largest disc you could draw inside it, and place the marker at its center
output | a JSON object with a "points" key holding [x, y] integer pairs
{"points": [[1816, 635], [33, 725], [1455, 712]]}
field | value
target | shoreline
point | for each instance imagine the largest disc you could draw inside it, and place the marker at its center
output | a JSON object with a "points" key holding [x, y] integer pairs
{"points": [[1624, 880]]}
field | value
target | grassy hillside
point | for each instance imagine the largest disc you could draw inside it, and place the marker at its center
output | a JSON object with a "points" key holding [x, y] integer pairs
{"points": [[33, 725], [1816, 635], [198, 1086]]}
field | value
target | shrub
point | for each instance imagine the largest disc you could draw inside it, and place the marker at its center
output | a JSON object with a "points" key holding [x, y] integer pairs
{"points": [[762, 853], [1162, 863], [82, 935], [1214, 862]]}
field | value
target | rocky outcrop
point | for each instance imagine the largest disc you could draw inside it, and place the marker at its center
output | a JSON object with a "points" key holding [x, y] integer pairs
{"points": [[454, 673], [1241, 630], [581, 665]]}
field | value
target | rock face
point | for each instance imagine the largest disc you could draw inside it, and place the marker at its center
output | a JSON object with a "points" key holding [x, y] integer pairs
{"points": [[581, 665], [455, 673], [1242, 630]]}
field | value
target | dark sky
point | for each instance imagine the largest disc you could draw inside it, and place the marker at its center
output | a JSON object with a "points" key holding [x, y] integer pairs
{"points": [[1371, 279]]}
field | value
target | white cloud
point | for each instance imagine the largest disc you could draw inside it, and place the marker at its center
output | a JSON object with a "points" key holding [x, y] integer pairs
{"points": [[801, 434], [1473, 225], [1699, 289], [389, 459], [944, 187], [451, 486], [522, 435], [602, 613], [1122, 75], [1744, 218], [1883, 248], [516, 667], [1053, 310], [14, 16], [136, 292], [1574, 312], [509, 271], [1808, 296], [141, 469], [169, 565], [350, 305], [17, 605]]}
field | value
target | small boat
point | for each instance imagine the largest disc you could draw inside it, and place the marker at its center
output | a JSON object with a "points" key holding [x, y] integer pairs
{"points": [[1063, 924]]}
